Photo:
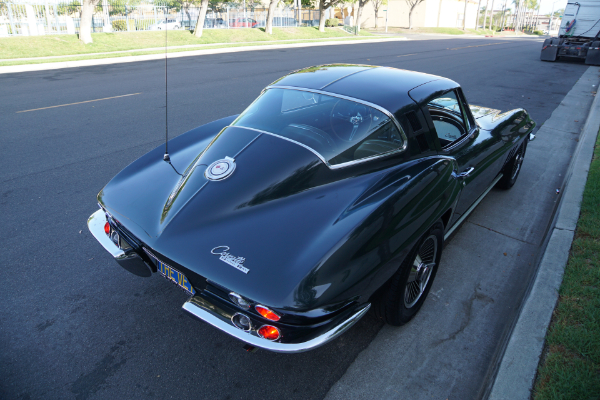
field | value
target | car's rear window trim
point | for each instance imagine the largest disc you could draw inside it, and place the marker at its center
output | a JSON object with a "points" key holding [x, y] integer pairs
{"points": [[366, 103]]}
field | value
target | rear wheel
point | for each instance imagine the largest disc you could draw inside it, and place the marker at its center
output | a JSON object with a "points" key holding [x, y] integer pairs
{"points": [[403, 295], [513, 168]]}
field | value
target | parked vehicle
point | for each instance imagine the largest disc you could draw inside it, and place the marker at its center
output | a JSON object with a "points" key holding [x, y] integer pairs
{"points": [[331, 194], [170, 24], [243, 23], [578, 35]]}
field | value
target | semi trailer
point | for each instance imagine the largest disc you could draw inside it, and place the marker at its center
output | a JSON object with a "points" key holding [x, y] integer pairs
{"points": [[578, 35]]}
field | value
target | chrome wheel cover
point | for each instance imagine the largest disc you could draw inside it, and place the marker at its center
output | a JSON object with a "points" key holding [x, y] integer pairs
{"points": [[517, 165], [420, 271]]}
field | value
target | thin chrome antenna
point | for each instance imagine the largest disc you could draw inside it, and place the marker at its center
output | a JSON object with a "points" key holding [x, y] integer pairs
{"points": [[166, 156]]}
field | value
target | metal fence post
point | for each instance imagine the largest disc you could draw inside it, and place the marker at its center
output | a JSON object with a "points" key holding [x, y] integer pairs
{"points": [[56, 27], [13, 29], [48, 24]]}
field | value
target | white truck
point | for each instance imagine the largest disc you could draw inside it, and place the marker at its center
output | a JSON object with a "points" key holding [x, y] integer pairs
{"points": [[578, 35]]}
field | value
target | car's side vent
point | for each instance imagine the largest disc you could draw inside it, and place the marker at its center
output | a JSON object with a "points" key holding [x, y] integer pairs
{"points": [[413, 119], [423, 146]]}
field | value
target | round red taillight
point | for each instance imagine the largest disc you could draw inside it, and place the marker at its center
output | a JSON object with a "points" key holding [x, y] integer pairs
{"points": [[269, 332], [268, 314], [107, 228]]}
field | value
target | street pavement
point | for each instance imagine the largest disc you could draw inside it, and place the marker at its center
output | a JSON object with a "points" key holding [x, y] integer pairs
{"points": [[75, 325]]}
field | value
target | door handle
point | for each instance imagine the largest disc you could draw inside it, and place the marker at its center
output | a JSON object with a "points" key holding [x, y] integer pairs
{"points": [[468, 172]]}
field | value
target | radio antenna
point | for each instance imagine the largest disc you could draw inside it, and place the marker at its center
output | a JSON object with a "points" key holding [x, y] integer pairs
{"points": [[166, 157]]}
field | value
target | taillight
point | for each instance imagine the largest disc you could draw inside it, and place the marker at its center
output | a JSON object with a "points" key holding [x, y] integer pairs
{"points": [[269, 332], [268, 314], [107, 228]]}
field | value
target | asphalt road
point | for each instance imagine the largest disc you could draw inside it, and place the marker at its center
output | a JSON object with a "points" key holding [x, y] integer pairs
{"points": [[75, 325]]}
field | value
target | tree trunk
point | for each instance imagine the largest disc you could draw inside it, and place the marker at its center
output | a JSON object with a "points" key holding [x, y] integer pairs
{"points": [[269, 27], [477, 20], [85, 25], [201, 18], [410, 17], [358, 14], [376, 18], [487, 3], [492, 15], [465, 17], [321, 17]]}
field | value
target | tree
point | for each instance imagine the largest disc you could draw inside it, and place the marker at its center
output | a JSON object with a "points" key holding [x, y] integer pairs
{"points": [[465, 16], [85, 25], [477, 19], [324, 5], [269, 27], [376, 6], [412, 4], [201, 18], [491, 16], [361, 4]]}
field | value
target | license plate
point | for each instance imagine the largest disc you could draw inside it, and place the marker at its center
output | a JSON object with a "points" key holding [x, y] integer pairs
{"points": [[175, 276]]}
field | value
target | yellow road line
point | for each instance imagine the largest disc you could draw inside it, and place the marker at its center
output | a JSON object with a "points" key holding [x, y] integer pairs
{"points": [[406, 55], [479, 45], [81, 102]]}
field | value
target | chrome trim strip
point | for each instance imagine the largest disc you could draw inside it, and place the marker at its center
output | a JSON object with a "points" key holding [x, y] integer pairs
{"points": [[285, 138], [340, 96], [256, 341], [470, 209]]}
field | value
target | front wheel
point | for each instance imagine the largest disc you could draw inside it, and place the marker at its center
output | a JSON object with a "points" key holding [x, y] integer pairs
{"points": [[404, 294], [513, 168]]}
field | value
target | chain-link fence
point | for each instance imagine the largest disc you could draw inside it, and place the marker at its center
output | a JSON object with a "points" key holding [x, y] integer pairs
{"points": [[18, 19]]}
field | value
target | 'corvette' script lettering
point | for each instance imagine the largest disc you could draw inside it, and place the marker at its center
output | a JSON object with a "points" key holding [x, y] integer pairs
{"points": [[235, 262]]}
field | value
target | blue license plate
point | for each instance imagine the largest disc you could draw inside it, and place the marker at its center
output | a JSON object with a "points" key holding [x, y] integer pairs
{"points": [[176, 277]]}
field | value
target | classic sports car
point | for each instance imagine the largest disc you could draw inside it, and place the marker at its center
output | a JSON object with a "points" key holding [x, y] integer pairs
{"points": [[331, 194]]}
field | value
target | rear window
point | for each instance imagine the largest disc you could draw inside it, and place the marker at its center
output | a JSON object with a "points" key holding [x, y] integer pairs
{"points": [[340, 130]]}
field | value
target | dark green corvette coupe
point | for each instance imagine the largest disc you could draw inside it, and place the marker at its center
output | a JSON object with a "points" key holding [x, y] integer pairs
{"points": [[330, 195]]}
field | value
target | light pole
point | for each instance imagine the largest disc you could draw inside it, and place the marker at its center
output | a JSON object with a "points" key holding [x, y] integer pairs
{"points": [[551, 16]]}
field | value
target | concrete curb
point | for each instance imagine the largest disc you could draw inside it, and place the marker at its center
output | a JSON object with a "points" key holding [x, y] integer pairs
{"points": [[518, 368], [149, 57]]}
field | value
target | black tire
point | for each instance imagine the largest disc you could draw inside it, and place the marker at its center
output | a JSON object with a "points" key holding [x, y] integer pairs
{"points": [[512, 168], [402, 296]]}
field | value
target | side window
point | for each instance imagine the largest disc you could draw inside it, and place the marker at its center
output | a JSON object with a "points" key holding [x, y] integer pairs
{"points": [[448, 118]]}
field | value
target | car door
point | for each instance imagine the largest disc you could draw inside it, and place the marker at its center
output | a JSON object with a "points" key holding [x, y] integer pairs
{"points": [[461, 139]]}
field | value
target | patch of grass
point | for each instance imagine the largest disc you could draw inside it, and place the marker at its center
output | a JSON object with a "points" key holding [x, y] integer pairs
{"points": [[45, 46], [571, 369], [140, 53]]}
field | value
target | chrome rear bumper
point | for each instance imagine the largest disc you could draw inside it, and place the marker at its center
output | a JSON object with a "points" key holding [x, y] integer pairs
{"points": [[128, 259], [200, 308]]}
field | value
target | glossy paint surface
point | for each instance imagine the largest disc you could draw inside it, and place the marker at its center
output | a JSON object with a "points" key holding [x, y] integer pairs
{"points": [[314, 240]]}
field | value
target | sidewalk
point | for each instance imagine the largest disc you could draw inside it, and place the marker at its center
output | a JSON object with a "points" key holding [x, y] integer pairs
{"points": [[518, 367], [394, 365]]}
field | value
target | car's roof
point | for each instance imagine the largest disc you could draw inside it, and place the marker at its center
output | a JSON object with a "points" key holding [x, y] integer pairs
{"points": [[385, 86]]}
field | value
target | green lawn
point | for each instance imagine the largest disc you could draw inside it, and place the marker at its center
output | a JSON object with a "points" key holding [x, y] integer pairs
{"points": [[571, 368], [58, 45]]}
